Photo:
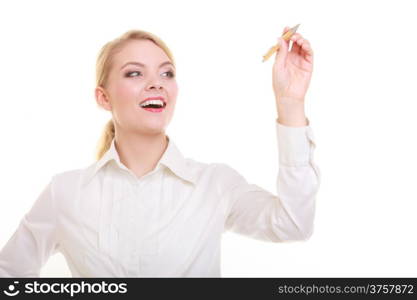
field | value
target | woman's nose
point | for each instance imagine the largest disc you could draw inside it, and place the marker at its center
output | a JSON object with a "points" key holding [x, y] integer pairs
{"points": [[154, 84]]}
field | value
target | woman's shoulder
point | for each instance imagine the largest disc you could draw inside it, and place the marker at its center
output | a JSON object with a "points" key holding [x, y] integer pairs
{"points": [[74, 172], [223, 172], [201, 167], [71, 177]]}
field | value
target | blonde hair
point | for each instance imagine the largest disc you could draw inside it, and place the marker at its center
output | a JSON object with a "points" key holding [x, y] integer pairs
{"points": [[103, 67]]}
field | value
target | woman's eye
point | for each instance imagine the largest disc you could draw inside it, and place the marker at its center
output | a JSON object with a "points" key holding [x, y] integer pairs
{"points": [[129, 74], [170, 74]]}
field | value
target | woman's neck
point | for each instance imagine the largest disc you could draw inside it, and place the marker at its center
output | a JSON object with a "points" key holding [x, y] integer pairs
{"points": [[140, 153]]}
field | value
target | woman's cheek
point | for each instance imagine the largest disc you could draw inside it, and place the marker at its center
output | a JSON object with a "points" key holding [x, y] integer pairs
{"points": [[128, 90], [173, 90]]}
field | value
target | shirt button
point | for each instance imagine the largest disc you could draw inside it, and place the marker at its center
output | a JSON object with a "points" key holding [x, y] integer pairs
{"points": [[139, 182]]}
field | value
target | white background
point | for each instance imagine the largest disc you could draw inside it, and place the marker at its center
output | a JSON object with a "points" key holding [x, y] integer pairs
{"points": [[361, 104]]}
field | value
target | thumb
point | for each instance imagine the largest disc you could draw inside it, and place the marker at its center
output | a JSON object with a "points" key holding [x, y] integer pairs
{"points": [[282, 51]]}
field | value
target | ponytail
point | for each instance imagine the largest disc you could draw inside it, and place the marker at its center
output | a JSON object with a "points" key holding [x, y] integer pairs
{"points": [[106, 139]]}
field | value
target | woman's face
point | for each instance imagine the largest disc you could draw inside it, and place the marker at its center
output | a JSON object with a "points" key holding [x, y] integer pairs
{"points": [[138, 72]]}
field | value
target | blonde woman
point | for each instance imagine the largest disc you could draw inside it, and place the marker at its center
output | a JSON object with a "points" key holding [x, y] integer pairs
{"points": [[143, 209]]}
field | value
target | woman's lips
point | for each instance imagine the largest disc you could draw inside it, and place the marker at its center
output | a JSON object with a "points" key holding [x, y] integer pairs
{"points": [[154, 110]]}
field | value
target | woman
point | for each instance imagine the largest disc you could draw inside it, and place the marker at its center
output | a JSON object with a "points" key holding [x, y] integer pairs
{"points": [[142, 209]]}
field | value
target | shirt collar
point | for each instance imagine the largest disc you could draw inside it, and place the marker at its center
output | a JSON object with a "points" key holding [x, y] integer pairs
{"points": [[172, 158]]}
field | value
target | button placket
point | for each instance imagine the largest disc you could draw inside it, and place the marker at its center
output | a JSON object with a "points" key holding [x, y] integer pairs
{"points": [[149, 244], [136, 184], [142, 220], [149, 195], [135, 214], [140, 215], [123, 214]]}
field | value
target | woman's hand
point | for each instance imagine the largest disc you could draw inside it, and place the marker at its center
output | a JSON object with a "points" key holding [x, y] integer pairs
{"points": [[291, 76]]}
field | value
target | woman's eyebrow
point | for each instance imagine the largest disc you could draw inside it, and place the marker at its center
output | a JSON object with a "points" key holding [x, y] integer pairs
{"points": [[142, 65]]}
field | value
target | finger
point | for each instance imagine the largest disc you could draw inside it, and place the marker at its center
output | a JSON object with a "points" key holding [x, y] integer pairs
{"points": [[296, 48], [304, 44], [304, 48], [295, 37], [285, 29], [307, 51], [300, 43], [281, 55]]}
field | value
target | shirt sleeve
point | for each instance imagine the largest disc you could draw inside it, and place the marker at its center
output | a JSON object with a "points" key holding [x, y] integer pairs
{"points": [[288, 216], [33, 241]]}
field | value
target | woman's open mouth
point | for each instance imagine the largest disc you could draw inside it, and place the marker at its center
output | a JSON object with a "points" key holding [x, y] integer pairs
{"points": [[154, 106]]}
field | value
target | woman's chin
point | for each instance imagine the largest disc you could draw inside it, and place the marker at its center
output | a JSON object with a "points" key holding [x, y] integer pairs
{"points": [[152, 128]]}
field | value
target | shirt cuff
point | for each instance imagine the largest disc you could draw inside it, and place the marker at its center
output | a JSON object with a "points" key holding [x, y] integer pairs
{"points": [[295, 144]]}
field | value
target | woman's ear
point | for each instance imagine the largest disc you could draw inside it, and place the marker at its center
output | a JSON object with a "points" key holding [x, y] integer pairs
{"points": [[102, 99]]}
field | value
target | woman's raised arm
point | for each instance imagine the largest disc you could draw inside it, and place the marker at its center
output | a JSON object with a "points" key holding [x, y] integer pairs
{"points": [[288, 215]]}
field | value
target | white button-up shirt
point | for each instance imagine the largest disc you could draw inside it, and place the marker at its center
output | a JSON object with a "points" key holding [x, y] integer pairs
{"points": [[168, 223]]}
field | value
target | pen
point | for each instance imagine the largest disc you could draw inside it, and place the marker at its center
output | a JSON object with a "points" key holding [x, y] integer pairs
{"points": [[286, 36]]}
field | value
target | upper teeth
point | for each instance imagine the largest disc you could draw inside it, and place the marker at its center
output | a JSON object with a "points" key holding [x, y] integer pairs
{"points": [[158, 102]]}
